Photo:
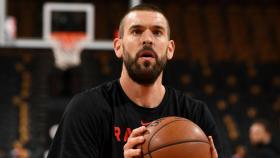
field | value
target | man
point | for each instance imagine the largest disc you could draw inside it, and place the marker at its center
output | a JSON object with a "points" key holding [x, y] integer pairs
{"points": [[261, 139], [109, 120], [240, 152]]}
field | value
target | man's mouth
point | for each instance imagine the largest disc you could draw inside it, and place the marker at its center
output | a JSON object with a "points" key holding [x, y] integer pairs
{"points": [[147, 54]]}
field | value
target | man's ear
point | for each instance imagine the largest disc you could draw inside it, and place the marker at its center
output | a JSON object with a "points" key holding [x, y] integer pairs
{"points": [[117, 47], [170, 49]]}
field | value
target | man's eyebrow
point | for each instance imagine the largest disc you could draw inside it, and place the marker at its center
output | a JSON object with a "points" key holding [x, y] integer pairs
{"points": [[135, 27], [141, 26], [158, 27]]}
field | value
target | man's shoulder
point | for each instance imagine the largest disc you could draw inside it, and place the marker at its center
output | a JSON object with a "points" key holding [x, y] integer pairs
{"points": [[182, 96], [191, 108], [101, 90], [95, 97]]}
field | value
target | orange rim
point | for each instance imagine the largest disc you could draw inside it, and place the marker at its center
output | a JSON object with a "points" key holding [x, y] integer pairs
{"points": [[68, 39]]}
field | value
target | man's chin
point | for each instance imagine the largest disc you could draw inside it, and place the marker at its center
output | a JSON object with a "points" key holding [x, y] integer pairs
{"points": [[145, 82], [147, 66], [146, 77]]}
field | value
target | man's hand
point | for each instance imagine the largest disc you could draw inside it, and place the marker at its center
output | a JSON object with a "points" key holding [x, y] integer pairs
{"points": [[214, 153], [136, 137]]}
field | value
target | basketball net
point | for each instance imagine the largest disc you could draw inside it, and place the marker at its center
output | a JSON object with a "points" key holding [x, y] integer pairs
{"points": [[67, 48]]}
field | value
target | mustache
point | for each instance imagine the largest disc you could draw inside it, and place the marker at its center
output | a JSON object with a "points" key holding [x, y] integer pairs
{"points": [[148, 50]]}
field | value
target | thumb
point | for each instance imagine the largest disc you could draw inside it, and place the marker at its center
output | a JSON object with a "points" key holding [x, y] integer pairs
{"points": [[214, 153]]}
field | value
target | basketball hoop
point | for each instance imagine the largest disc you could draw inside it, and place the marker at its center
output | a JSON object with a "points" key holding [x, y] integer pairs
{"points": [[67, 48]]}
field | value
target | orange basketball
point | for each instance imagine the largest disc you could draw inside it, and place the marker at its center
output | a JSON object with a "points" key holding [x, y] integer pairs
{"points": [[175, 137]]}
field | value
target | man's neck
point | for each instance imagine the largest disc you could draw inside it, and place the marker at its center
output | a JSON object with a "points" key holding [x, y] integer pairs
{"points": [[149, 96]]}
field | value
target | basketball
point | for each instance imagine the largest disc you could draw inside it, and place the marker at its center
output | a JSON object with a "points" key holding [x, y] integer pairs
{"points": [[175, 137]]}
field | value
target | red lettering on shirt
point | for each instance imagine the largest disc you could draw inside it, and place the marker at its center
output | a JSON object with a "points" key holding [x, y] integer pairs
{"points": [[118, 133], [127, 134]]}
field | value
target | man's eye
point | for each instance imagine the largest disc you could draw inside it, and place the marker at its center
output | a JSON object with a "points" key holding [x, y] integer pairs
{"points": [[136, 32], [157, 33]]}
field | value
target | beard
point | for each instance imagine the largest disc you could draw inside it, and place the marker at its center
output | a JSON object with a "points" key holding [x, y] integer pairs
{"points": [[147, 72]]}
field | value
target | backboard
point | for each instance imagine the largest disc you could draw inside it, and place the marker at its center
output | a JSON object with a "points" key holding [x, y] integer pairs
{"points": [[49, 9]]}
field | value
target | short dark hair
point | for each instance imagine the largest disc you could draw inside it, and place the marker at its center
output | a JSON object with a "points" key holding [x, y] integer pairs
{"points": [[143, 7]]}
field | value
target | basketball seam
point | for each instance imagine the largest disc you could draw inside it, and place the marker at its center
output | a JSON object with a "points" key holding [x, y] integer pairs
{"points": [[176, 143], [156, 133]]}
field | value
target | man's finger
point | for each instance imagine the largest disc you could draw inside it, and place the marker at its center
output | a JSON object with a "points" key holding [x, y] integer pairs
{"points": [[136, 137], [132, 152], [133, 141], [214, 153], [138, 131]]}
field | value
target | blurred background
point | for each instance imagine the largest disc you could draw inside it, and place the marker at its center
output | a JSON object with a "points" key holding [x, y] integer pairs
{"points": [[227, 54]]}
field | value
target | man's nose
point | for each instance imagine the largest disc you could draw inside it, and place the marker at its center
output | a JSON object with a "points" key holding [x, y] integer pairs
{"points": [[147, 38], [147, 43]]}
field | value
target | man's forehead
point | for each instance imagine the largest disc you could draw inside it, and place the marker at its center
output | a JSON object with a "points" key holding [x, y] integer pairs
{"points": [[145, 18], [257, 126]]}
